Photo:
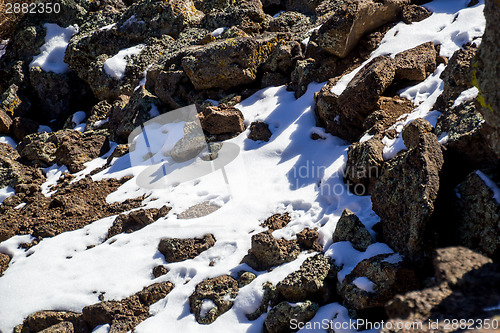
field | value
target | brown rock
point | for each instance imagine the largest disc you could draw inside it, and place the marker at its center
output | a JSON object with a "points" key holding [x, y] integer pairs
{"points": [[406, 191], [221, 120], [414, 13], [43, 320], [220, 291], [415, 131], [308, 239], [259, 130], [176, 249], [22, 127], [159, 270], [5, 123], [136, 220], [4, 263], [417, 63], [280, 316], [389, 110], [277, 221], [75, 150], [388, 276], [349, 228], [63, 327]]}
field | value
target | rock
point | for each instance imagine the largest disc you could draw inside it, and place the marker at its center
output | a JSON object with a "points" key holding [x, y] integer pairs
{"points": [[389, 109], [267, 252], [191, 145], [479, 213], [464, 133], [388, 277], [4, 263], [5, 123], [64, 327], [218, 293], [22, 127], [245, 279], [456, 76], [461, 289], [270, 299], [277, 221], [65, 147], [44, 320], [120, 150], [290, 21], [13, 173], [349, 228], [13, 103], [279, 317], [414, 13], [308, 239], [220, 120], [416, 64], [136, 220], [406, 191], [246, 15], [487, 73], [98, 115], [159, 270], [176, 249], [127, 115], [364, 163], [414, 132], [113, 6], [310, 282], [124, 315], [344, 115], [228, 63], [259, 131], [348, 21]]}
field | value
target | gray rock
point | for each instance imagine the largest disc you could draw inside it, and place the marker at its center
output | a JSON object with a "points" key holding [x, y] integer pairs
{"points": [[220, 290], [279, 317], [309, 282], [349, 228]]}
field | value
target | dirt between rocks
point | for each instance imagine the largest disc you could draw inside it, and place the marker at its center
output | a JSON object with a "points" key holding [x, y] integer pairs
{"points": [[72, 207]]}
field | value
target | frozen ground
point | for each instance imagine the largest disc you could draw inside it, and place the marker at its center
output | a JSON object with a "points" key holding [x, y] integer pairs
{"points": [[291, 173]]}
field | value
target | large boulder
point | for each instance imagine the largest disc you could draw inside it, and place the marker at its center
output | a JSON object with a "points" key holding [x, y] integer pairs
{"points": [[228, 63], [213, 297], [405, 194], [176, 249], [280, 317], [488, 71], [310, 282], [478, 203], [349, 20], [349, 228], [376, 280]]}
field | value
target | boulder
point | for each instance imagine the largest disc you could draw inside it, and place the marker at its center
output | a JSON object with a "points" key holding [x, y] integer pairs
{"points": [[376, 280], [364, 163], [228, 63], [417, 63], [42, 320], [267, 252], [259, 131], [99, 116], [457, 76], [176, 249], [349, 228], [13, 173], [279, 317], [479, 213], [222, 120], [191, 145], [308, 239], [311, 282], [212, 298], [136, 220], [414, 13], [407, 189], [487, 73], [348, 21], [290, 21]]}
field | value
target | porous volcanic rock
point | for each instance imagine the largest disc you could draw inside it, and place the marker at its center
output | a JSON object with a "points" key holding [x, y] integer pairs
{"points": [[259, 131], [349, 228], [414, 13], [176, 249], [136, 220], [4, 262], [279, 317]]}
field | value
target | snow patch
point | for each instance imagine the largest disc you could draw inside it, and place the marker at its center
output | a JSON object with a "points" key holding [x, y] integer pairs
{"points": [[491, 184], [6, 192], [364, 283], [466, 96], [116, 65]]}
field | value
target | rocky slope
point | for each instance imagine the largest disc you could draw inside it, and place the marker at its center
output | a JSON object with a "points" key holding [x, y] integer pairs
{"points": [[366, 186]]}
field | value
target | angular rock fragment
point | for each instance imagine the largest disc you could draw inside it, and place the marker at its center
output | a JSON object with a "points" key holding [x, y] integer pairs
{"points": [[414, 13], [222, 120], [417, 63], [277, 221], [136, 220], [349, 228], [259, 131], [279, 317], [176, 249], [213, 297]]}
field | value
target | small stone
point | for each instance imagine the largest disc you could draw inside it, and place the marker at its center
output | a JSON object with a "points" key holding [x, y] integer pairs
{"points": [[259, 130], [159, 271], [176, 249], [245, 279], [349, 228]]}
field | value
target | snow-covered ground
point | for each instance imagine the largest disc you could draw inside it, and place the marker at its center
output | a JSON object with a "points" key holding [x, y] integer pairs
{"points": [[290, 173]]}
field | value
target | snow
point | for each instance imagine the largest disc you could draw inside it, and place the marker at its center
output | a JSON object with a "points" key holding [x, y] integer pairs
{"points": [[206, 306], [493, 308], [443, 138], [466, 96], [116, 65], [3, 47], [8, 140], [102, 329], [51, 57], [107, 27], [6, 192], [153, 112], [364, 284], [44, 128], [491, 184], [394, 259], [20, 205], [290, 173], [219, 31], [100, 123]]}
